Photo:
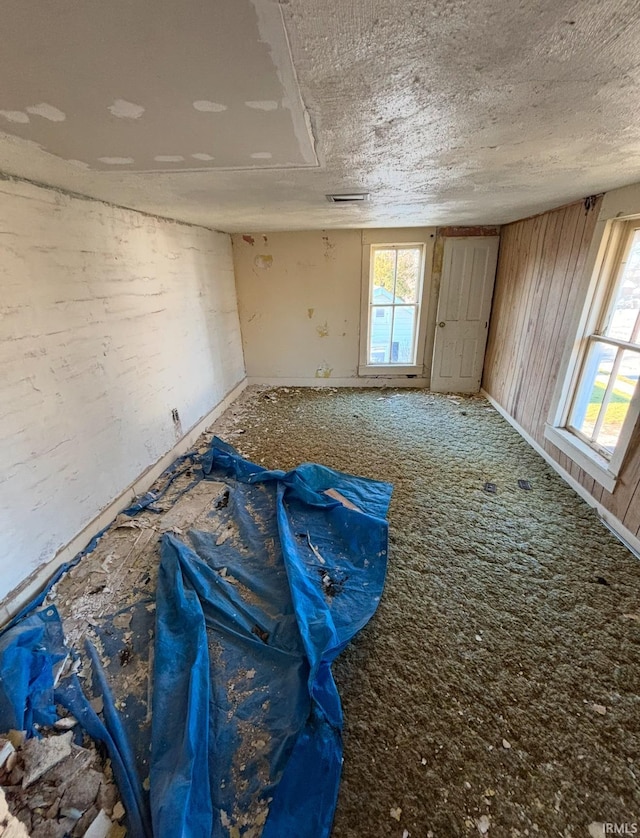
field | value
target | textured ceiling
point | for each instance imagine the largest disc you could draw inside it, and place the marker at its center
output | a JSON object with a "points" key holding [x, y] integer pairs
{"points": [[452, 112]]}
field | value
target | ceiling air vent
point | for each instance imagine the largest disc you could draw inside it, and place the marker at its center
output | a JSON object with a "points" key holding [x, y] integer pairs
{"points": [[348, 198]]}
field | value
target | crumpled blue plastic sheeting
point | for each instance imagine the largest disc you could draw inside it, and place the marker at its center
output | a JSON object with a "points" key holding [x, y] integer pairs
{"points": [[182, 465], [30, 654], [246, 731], [246, 717]]}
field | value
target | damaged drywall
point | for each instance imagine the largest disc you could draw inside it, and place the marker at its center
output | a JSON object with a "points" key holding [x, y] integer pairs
{"points": [[300, 308]]}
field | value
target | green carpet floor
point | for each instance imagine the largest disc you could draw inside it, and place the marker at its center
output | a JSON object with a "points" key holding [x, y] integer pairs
{"points": [[496, 691]]}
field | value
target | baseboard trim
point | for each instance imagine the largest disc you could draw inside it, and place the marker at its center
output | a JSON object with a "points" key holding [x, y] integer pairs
{"points": [[615, 525], [36, 582], [370, 381]]}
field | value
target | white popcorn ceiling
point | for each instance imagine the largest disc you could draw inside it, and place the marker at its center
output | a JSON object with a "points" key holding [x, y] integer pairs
{"points": [[451, 112]]}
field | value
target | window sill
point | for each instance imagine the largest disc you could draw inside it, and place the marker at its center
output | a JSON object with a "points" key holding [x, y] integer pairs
{"points": [[583, 456], [391, 370]]}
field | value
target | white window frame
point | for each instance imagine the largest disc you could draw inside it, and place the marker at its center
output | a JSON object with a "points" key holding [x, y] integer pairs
{"points": [[607, 251], [422, 237]]}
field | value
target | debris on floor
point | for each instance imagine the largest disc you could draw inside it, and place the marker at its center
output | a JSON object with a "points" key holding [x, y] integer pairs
{"points": [[55, 787], [417, 677], [483, 823], [200, 609], [10, 826]]}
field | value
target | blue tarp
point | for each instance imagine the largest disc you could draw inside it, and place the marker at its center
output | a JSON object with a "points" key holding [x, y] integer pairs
{"points": [[30, 652], [246, 722]]}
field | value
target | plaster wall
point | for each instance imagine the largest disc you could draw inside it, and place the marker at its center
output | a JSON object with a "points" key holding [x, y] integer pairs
{"points": [[299, 296], [109, 320]]}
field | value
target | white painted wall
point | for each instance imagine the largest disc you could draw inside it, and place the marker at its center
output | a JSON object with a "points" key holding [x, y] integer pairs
{"points": [[108, 320], [299, 296]]}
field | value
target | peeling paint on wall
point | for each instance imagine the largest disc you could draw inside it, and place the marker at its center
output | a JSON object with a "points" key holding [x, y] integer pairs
{"points": [[324, 371], [301, 291], [328, 247], [438, 254], [323, 330], [264, 261], [96, 300]]}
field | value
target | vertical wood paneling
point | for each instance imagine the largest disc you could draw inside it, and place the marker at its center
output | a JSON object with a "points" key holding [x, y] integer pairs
{"points": [[539, 283]]}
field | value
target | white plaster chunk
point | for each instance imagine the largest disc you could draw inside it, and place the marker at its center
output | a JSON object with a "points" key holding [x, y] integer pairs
{"points": [[126, 110], [116, 161], [261, 155], [169, 158], [6, 749], [10, 826], [263, 105], [100, 826], [206, 106], [15, 116], [47, 112], [66, 723], [42, 754]]}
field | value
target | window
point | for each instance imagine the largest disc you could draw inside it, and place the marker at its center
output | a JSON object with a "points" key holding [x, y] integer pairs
{"points": [[395, 286], [393, 328], [600, 410]]}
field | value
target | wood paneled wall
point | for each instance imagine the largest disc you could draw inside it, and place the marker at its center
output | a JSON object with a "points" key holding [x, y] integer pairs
{"points": [[540, 287]]}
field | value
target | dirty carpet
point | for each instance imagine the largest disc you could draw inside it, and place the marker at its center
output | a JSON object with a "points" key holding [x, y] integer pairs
{"points": [[496, 691], [498, 686]]}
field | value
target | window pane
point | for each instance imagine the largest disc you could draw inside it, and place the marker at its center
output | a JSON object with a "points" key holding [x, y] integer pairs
{"points": [[407, 281], [402, 342], [384, 269], [625, 315], [592, 387], [380, 335], [621, 395]]}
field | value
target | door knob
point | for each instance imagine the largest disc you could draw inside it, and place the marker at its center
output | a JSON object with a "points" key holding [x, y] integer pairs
{"points": [[442, 323]]}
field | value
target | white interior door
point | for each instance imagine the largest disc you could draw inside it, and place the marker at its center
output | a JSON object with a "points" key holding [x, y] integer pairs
{"points": [[464, 306]]}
